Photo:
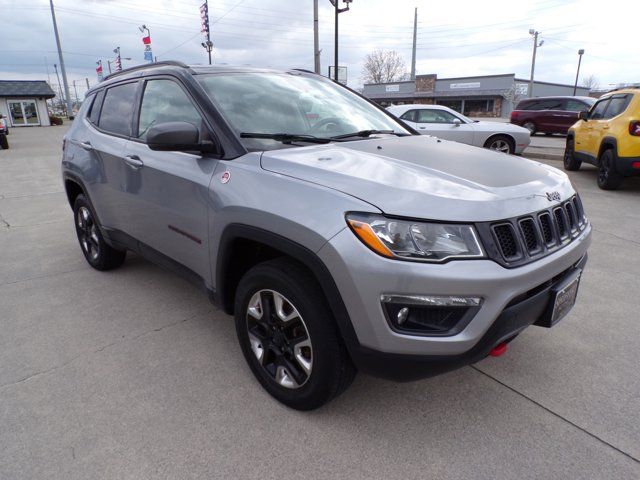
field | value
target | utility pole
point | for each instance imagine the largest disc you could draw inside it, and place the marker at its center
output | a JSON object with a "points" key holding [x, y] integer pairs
{"points": [[535, 34], [415, 40], [62, 102], [87, 79], [204, 18], [575, 85], [75, 90], [316, 40], [335, 53], [64, 71]]}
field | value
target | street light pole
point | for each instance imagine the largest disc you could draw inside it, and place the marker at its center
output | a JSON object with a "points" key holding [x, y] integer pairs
{"points": [[575, 85], [316, 41], [338, 11], [64, 71], [535, 34]]}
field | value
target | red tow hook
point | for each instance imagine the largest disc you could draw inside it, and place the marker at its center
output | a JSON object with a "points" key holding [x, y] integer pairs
{"points": [[499, 349]]}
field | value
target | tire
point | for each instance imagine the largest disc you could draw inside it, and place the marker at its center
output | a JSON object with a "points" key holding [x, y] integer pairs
{"points": [[608, 178], [529, 125], [4, 143], [570, 162], [303, 374], [501, 143], [97, 252]]}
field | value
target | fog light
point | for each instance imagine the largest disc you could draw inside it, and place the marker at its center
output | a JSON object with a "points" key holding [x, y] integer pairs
{"points": [[429, 315], [402, 315]]}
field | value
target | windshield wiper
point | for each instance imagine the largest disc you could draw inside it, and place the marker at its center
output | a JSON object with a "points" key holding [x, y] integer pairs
{"points": [[286, 138], [368, 133]]}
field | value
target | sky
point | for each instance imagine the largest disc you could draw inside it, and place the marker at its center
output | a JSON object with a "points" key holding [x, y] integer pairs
{"points": [[455, 38]]}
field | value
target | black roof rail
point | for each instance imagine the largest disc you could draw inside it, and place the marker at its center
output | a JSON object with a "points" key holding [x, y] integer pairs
{"points": [[171, 63], [304, 70]]}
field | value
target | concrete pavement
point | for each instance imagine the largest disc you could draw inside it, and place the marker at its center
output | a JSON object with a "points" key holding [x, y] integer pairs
{"points": [[133, 374]]}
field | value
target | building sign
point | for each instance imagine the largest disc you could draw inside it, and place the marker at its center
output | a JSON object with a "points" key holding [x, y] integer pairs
{"points": [[342, 74], [522, 88], [392, 88], [456, 86]]}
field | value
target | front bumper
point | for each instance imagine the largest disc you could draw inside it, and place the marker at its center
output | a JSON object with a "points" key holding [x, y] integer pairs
{"points": [[362, 277]]}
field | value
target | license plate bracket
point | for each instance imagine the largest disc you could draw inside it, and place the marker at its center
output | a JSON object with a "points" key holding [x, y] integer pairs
{"points": [[562, 299]]}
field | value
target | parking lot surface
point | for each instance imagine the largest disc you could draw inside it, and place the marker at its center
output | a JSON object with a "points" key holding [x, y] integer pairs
{"points": [[133, 374]]}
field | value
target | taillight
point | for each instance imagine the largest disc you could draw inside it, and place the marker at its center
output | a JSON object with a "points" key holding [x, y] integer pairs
{"points": [[634, 128], [514, 116]]}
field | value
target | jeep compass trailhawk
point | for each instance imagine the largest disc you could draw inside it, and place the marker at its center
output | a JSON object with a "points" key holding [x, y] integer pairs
{"points": [[340, 238]]}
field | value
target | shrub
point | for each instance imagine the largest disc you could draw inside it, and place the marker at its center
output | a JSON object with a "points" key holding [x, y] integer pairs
{"points": [[54, 120]]}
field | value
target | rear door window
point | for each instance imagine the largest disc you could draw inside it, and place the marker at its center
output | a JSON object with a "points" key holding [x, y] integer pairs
{"points": [[598, 109], [551, 105], [409, 116], [94, 114], [617, 105], [117, 109]]}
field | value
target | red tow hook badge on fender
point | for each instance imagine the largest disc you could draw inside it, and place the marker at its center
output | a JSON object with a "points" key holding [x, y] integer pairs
{"points": [[499, 350], [226, 176]]}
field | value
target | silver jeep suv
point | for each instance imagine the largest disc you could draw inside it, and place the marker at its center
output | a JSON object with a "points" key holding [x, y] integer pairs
{"points": [[339, 238]]}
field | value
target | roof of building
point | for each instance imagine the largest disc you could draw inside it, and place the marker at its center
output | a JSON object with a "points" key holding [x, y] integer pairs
{"points": [[25, 88]]}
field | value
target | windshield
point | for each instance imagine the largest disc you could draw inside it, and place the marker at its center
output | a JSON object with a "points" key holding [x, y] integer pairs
{"points": [[270, 103]]}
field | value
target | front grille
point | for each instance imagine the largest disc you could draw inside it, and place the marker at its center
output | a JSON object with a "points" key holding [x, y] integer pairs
{"points": [[506, 237], [546, 226], [516, 241]]}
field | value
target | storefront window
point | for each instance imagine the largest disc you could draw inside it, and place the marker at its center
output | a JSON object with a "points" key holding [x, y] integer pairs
{"points": [[478, 107]]}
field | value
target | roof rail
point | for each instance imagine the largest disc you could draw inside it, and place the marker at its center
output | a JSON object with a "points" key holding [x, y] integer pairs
{"points": [[173, 63], [304, 70]]}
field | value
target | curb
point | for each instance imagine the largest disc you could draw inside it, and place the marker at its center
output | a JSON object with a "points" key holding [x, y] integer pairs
{"points": [[543, 155]]}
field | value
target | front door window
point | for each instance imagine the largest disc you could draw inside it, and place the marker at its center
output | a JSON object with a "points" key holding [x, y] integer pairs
{"points": [[23, 112]]}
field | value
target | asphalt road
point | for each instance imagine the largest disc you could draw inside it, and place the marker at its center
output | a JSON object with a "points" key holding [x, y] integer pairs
{"points": [[132, 374]]}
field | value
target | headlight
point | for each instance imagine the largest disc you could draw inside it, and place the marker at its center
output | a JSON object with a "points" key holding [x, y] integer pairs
{"points": [[409, 240]]}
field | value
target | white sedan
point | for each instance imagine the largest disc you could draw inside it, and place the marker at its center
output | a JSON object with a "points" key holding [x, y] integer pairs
{"points": [[442, 122]]}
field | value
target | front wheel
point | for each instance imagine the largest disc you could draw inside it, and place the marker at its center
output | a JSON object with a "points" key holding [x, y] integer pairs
{"points": [[530, 126], [501, 143], [288, 335], [570, 162], [608, 178]]}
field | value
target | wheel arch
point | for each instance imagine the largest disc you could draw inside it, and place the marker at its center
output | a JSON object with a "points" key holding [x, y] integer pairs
{"points": [[509, 137], [243, 246], [73, 187], [606, 144]]}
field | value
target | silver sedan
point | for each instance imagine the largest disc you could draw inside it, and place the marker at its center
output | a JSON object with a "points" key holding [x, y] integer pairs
{"points": [[442, 122]]}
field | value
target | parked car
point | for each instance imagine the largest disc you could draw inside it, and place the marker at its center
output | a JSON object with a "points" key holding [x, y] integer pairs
{"points": [[448, 124], [608, 136], [340, 239], [549, 115], [4, 125]]}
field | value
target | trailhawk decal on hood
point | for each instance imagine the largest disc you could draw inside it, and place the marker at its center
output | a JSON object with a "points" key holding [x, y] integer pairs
{"points": [[424, 177]]}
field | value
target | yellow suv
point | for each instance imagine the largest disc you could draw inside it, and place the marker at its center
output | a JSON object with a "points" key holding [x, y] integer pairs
{"points": [[608, 136]]}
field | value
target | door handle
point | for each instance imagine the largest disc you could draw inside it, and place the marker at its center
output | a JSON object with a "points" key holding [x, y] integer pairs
{"points": [[605, 127], [87, 146], [422, 128], [133, 161]]}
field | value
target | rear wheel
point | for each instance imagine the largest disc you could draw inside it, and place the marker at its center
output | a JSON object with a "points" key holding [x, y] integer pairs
{"points": [[570, 162], [4, 143], [608, 178], [98, 253], [530, 126], [501, 143], [288, 335]]}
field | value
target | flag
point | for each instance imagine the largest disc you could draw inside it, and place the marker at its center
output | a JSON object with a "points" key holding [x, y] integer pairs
{"points": [[99, 70], [146, 40], [148, 54], [204, 18]]}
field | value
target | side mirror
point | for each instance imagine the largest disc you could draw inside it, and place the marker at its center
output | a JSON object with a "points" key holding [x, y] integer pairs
{"points": [[176, 137], [583, 115], [457, 122]]}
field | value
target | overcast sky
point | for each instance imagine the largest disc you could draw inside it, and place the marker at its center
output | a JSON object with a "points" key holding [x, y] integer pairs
{"points": [[455, 38]]}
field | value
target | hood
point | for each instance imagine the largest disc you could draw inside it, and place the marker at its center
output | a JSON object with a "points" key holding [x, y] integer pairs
{"points": [[424, 177]]}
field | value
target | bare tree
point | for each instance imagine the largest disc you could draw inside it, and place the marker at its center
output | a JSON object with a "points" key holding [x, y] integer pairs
{"points": [[591, 82], [384, 66]]}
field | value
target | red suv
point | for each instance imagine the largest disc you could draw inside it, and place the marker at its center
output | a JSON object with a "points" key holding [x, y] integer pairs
{"points": [[550, 114]]}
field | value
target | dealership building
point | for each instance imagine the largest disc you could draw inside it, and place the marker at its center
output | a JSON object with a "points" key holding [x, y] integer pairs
{"points": [[24, 102], [483, 96]]}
